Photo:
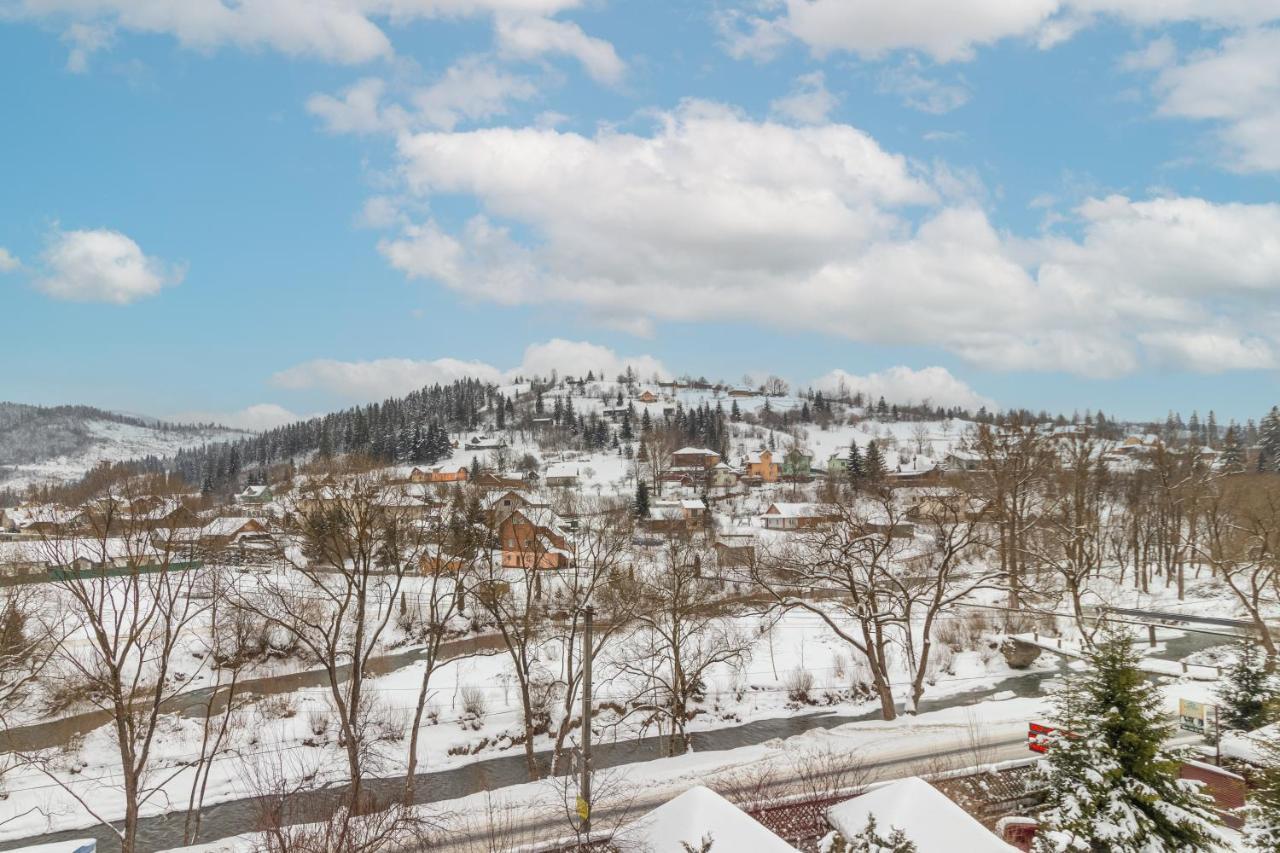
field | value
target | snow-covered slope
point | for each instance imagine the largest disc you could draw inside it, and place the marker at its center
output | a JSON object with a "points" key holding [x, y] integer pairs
{"points": [[42, 445]]}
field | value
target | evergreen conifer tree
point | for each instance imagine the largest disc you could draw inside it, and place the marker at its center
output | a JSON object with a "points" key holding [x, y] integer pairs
{"points": [[1232, 452], [642, 499], [873, 466], [1112, 784], [1269, 438], [853, 465], [1262, 814], [1248, 692]]}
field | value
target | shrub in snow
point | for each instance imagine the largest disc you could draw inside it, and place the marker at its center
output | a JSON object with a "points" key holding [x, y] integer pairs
{"points": [[799, 683], [1112, 784], [473, 707], [318, 721]]}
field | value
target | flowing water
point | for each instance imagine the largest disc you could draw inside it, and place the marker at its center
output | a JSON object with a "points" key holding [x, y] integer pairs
{"points": [[237, 816]]}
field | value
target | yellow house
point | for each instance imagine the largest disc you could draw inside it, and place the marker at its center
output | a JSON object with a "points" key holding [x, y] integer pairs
{"points": [[760, 465]]}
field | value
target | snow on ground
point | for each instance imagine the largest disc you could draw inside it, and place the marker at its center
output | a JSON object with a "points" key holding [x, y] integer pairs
{"points": [[112, 442]]}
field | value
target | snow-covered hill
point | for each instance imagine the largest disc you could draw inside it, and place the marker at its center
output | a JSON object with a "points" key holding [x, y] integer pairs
{"points": [[60, 444]]}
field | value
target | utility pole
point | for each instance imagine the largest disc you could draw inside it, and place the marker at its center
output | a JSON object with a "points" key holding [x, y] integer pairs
{"points": [[584, 787]]}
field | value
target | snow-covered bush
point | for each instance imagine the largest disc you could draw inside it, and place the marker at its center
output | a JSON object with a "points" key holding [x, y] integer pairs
{"points": [[799, 684], [474, 706]]}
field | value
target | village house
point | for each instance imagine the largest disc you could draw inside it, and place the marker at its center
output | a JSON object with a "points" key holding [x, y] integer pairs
{"points": [[483, 441], [22, 560], [490, 482], [240, 531], [646, 396], [739, 391], [796, 465], [561, 474], [963, 460], [683, 516], [761, 467], [255, 495], [694, 458], [735, 550], [722, 476], [532, 538], [783, 515], [439, 474]]}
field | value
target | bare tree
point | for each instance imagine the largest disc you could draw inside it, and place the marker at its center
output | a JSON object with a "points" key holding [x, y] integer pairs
{"points": [[348, 542], [680, 635], [842, 572], [1015, 461], [30, 634], [1069, 543], [133, 589], [1242, 543], [457, 545], [594, 579], [946, 562]]}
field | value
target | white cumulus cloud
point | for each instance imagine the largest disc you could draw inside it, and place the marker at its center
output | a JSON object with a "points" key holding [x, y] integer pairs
{"points": [[531, 36], [949, 31], [255, 418], [905, 385], [344, 31], [387, 377], [714, 217], [808, 102], [101, 265], [1237, 87]]}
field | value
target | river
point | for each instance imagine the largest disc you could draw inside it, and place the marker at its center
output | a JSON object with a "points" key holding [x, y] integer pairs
{"points": [[233, 817]]}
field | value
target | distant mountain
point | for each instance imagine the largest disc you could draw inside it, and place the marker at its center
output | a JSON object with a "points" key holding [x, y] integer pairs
{"points": [[43, 444]]}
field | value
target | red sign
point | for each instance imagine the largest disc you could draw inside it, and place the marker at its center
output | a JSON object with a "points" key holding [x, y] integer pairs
{"points": [[1037, 736]]}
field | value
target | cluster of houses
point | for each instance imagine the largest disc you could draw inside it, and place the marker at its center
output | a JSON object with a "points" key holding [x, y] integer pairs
{"points": [[1126, 455]]}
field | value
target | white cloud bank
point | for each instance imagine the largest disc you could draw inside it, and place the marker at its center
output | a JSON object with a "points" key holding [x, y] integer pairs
{"points": [[935, 385], [715, 217], [1237, 86], [8, 261], [255, 418], [949, 31], [101, 265], [388, 377]]}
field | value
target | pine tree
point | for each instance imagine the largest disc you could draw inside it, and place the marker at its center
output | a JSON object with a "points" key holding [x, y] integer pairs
{"points": [[873, 467], [642, 499], [1248, 692], [1112, 784], [853, 465], [1269, 438], [1232, 452], [870, 840], [1262, 814]]}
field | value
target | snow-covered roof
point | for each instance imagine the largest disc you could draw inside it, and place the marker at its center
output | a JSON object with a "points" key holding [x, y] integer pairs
{"points": [[796, 510], [228, 525], [562, 469], [692, 503], [755, 457], [253, 491], [694, 451], [927, 816], [695, 814]]}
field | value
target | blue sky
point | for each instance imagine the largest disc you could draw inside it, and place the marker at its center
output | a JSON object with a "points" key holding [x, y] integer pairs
{"points": [[248, 211]]}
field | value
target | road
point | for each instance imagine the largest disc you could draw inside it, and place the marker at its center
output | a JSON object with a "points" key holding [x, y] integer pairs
{"points": [[531, 826]]}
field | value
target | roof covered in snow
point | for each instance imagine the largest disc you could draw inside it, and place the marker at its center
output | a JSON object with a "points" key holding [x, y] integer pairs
{"points": [[693, 815], [928, 817]]}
